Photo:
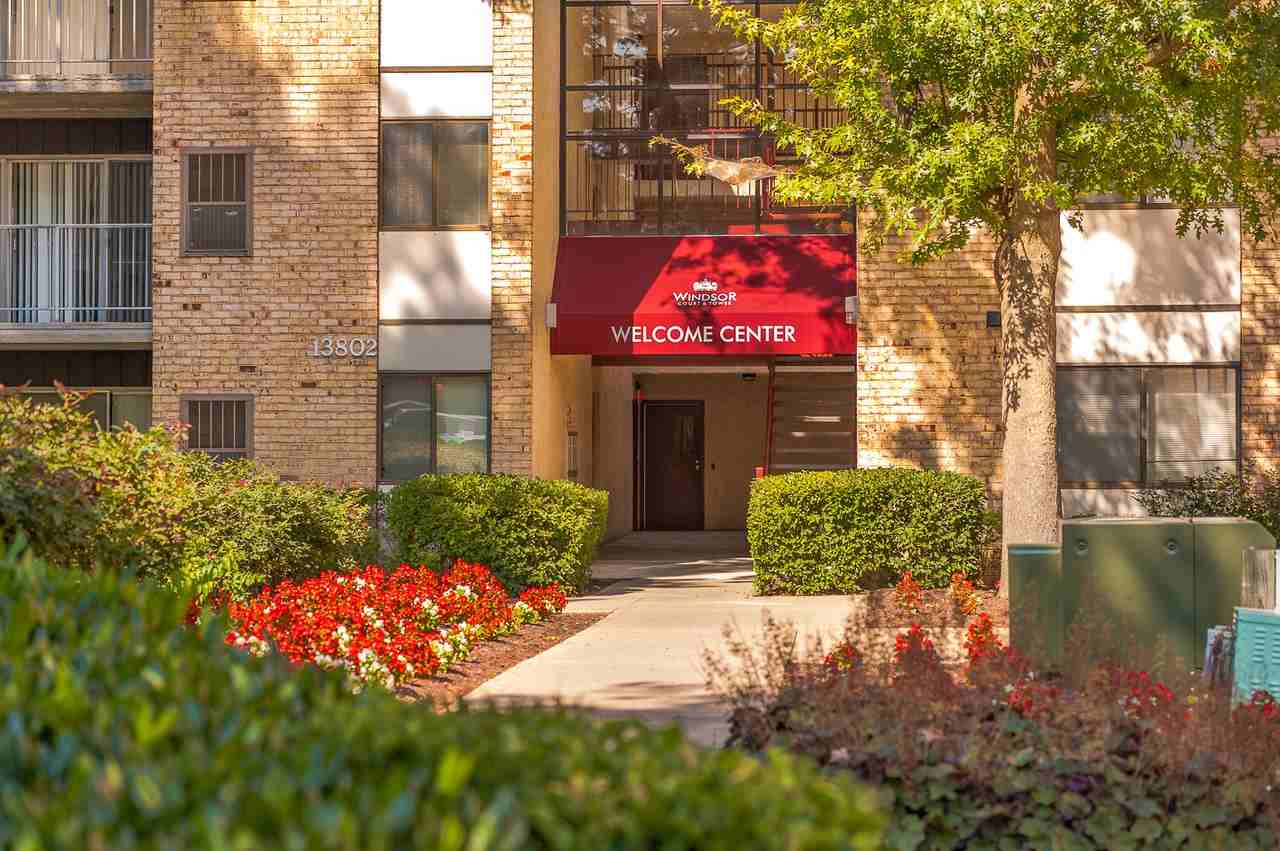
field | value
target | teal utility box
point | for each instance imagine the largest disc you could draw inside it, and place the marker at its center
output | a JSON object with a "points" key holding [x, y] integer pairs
{"points": [[1257, 662], [1160, 579]]}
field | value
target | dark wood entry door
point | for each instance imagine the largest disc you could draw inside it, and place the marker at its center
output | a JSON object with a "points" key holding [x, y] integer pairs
{"points": [[672, 465]]}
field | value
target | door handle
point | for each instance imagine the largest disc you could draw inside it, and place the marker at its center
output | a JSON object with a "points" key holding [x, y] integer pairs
{"points": [[697, 465]]}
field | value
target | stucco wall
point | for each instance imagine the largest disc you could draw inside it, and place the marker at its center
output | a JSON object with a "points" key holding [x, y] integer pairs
{"points": [[561, 384]]}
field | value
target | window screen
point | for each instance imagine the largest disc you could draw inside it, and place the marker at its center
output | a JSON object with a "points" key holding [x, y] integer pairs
{"points": [[1145, 425], [1191, 422], [217, 203], [435, 174], [219, 426]]}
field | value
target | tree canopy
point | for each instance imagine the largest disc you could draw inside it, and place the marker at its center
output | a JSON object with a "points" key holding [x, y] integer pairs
{"points": [[959, 116], [950, 108]]}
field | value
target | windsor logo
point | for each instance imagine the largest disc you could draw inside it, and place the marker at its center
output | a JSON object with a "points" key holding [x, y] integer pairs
{"points": [[704, 293]]}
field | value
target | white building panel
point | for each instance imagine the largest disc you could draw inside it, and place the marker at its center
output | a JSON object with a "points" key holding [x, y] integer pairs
{"points": [[437, 95], [433, 348], [434, 275], [1151, 337], [1135, 257], [1100, 502], [436, 33]]}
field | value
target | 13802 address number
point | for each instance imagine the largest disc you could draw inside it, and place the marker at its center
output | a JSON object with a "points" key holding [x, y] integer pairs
{"points": [[344, 347]]}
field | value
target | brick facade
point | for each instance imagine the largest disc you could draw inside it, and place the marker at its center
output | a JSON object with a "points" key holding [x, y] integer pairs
{"points": [[928, 367], [511, 197], [1260, 351], [296, 80]]}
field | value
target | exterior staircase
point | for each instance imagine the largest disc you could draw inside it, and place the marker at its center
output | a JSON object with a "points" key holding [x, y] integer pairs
{"points": [[812, 412]]}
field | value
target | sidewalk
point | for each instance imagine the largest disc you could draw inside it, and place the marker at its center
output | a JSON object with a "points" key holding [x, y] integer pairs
{"points": [[675, 592]]}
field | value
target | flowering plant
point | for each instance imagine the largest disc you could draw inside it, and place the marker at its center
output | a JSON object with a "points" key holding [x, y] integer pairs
{"points": [[964, 596], [842, 658], [386, 628], [908, 596]]}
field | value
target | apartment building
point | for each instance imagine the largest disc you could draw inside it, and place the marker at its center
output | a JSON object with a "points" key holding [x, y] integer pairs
{"points": [[361, 241]]}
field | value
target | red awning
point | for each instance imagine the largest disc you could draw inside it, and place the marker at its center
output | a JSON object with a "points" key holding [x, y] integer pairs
{"points": [[704, 295]]}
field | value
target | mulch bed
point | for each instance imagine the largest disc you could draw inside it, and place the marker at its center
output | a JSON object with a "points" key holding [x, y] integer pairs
{"points": [[936, 609], [491, 658]]}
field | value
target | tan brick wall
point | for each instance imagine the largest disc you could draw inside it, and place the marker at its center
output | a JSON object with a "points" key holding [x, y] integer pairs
{"points": [[928, 367], [1260, 350], [297, 80], [512, 232]]}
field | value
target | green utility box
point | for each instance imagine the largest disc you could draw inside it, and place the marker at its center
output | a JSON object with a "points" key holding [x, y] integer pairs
{"points": [[1154, 579], [1035, 601]]}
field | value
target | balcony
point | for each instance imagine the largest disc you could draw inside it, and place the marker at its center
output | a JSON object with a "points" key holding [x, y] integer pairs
{"points": [[75, 284], [75, 45]]}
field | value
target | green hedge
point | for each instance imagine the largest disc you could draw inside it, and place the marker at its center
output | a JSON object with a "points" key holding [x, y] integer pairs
{"points": [[88, 497], [123, 729], [850, 530], [528, 531]]}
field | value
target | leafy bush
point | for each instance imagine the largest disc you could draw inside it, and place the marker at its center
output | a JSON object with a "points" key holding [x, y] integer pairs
{"points": [[528, 531], [247, 528], [50, 507], [177, 517], [1001, 755], [849, 530], [1254, 494], [122, 729], [136, 481]]}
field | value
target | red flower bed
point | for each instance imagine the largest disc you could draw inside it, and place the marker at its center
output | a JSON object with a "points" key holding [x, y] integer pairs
{"points": [[386, 628]]}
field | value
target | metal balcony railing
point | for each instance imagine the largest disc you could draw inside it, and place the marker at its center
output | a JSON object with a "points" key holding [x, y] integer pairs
{"points": [[60, 274], [57, 38]]}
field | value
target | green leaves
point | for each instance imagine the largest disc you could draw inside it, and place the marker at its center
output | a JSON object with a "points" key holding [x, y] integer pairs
{"points": [[527, 531], [179, 742], [813, 533], [86, 498], [948, 105]]}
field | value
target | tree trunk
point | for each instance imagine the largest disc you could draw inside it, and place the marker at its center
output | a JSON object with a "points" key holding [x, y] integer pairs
{"points": [[1026, 267]]}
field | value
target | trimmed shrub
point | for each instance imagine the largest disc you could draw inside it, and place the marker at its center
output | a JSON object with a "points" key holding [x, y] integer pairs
{"points": [[246, 528], [528, 531], [850, 530], [177, 517], [123, 729]]}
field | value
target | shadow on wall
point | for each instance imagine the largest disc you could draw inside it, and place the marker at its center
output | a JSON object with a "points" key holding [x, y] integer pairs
{"points": [[1135, 257], [1159, 337]]}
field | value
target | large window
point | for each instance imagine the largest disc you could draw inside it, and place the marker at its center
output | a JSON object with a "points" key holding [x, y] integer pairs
{"points": [[435, 175], [1130, 426], [433, 424], [623, 84], [109, 408]]}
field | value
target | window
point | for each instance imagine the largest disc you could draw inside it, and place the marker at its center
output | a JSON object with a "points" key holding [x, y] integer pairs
{"points": [[1145, 426], [109, 408], [217, 207], [435, 174], [220, 425], [623, 84], [433, 424]]}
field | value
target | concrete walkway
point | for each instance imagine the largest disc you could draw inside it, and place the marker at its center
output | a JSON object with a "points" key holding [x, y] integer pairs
{"points": [[674, 593]]}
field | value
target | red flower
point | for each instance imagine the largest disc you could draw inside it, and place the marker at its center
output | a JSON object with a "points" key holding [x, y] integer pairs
{"points": [[383, 628]]}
